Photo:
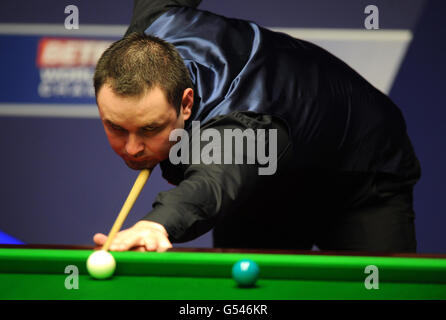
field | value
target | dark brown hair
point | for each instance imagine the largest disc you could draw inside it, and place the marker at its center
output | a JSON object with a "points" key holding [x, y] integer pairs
{"points": [[139, 62]]}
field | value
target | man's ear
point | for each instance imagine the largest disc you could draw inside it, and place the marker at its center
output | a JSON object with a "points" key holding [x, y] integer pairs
{"points": [[187, 103]]}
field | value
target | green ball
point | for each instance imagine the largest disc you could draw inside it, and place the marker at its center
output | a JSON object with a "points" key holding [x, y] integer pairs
{"points": [[245, 273]]}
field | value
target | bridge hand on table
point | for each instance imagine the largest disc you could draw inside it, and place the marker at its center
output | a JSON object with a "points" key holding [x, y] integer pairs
{"points": [[144, 236]]}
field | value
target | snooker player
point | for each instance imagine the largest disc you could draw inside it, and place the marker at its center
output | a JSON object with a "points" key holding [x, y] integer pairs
{"points": [[345, 167]]}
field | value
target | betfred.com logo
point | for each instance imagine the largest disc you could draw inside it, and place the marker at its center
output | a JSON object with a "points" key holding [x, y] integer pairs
{"points": [[66, 66], [58, 52]]}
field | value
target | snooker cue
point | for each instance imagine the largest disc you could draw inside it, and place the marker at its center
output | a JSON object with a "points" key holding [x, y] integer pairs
{"points": [[128, 204]]}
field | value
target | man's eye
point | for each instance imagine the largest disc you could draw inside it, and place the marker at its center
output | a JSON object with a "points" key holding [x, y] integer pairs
{"points": [[149, 129], [116, 128]]}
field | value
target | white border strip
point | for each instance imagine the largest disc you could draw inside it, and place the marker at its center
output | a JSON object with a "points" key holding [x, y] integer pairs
{"points": [[348, 34], [49, 111], [119, 31], [59, 29]]}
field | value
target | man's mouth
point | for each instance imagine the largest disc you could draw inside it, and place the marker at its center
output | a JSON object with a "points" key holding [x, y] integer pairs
{"points": [[140, 164]]}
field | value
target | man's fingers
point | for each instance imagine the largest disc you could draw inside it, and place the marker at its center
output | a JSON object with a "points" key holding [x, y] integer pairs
{"points": [[125, 240], [138, 249], [144, 236], [156, 242], [164, 245], [100, 239], [150, 243]]}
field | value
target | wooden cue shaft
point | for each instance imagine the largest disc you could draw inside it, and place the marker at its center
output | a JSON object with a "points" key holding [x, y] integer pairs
{"points": [[128, 204]]}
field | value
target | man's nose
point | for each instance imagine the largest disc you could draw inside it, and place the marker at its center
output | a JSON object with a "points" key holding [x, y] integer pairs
{"points": [[134, 146]]}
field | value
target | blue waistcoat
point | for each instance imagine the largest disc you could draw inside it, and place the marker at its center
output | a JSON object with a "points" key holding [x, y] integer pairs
{"points": [[336, 119]]}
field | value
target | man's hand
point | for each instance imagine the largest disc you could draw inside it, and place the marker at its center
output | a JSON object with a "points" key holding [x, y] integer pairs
{"points": [[143, 236]]}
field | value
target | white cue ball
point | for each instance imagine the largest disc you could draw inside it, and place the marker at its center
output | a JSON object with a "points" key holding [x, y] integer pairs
{"points": [[101, 264]]}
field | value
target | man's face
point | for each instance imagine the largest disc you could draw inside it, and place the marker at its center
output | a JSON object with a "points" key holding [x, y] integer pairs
{"points": [[138, 128]]}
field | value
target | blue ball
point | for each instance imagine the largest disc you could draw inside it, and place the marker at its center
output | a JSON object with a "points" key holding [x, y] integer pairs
{"points": [[245, 272]]}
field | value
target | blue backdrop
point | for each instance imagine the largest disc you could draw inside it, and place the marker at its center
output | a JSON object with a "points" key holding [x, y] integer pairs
{"points": [[61, 182]]}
